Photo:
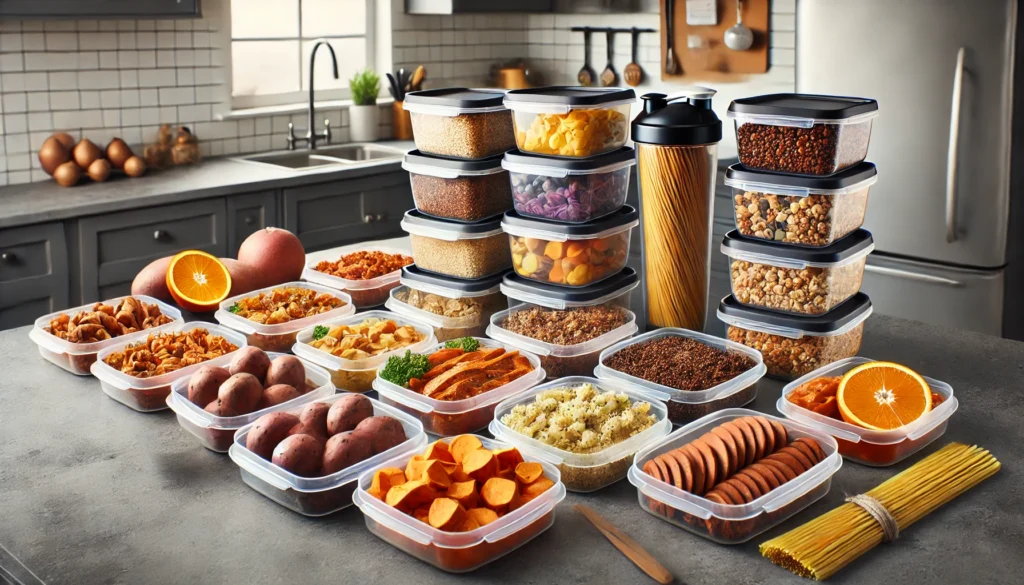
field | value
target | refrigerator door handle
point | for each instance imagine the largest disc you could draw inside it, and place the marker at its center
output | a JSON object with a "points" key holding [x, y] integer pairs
{"points": [[913, 275], [953, 156]]}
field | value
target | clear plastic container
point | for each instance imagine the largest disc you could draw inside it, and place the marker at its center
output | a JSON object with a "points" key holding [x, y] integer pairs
{"points": [[78, 358], [795, 280], [150, 394], [460, 250], [569, 190], [448, 418], [570, 121], [801, 133], [800, 211], [794, 346], [280, 336], [725, 523], [320, 496], [216, 433], [358, 375], [865, 446], [459, 190], [460, 122], [365, 294], [685, 406], [459, 552], [584, 472], [454, 307], [570, 254]]}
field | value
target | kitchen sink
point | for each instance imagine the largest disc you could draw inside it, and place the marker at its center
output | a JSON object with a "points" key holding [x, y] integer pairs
{"points": [[360, 152], [342, 155]]}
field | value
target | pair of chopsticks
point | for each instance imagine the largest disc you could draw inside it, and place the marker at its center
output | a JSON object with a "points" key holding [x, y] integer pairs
{"points": [[627, 546]]}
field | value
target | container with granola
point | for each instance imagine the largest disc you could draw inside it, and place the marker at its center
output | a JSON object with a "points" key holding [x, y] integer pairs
{"points": [[367, 275], [453, 306]]}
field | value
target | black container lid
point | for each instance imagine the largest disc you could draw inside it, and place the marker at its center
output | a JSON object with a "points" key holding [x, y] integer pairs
{"points": [[570, 95], [856, 174], [455, 164], [850, 245], [804, 105], [457, 97], [414, 273], [626, 214], [624, 154], [682, 120], [619, 283], [415, 218], [849, 311]]}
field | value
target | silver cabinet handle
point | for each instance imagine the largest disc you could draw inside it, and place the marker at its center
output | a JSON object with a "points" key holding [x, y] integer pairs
{"points": [[159, 235], [379, 217], [953, 156], [912, 275], [7, 257], [248, 220], [367, 218]]}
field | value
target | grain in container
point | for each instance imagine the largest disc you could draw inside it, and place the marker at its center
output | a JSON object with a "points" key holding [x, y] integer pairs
{"points": [[459, 190], [452, 306], [570, 121], [366, 275], [461, 250], [460, 123]]}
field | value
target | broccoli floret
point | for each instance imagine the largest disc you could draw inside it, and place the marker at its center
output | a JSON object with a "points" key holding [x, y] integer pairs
{"points": [[399, 370], [234, 308], [320, 331], [466, 344]]}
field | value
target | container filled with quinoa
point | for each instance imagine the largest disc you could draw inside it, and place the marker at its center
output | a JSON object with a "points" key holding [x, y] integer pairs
{"points": [[459, 190], [367, 275], [460, 250], [460, 123], [454, 307]]}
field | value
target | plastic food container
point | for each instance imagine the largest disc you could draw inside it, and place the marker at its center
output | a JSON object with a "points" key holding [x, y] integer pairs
{"points": [[570, 254], [461, 250], [570, 121], [569, 190], [796, 280], [590, 471], [800, 211], [459, 552], [724, 523], [865, 446], [280, 336], [364, 293], [150, 394], [358, 375], [453, 307], [460, 122], [802, 133], [216, 433], [793, 346], [78, 358], [448, 418], [688, 405], [459, 190], [319, 496]]}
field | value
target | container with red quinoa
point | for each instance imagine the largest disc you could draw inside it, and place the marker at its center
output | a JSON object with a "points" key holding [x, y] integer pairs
{"points": [[697, 373], [460, 190]]}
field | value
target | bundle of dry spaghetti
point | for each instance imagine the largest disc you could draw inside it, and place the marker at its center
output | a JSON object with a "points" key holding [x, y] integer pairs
{"points": [[821, 547]]}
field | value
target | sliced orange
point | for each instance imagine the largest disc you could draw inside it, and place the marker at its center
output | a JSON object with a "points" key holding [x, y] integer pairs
{"points": [[198, 281], [882, 396]]}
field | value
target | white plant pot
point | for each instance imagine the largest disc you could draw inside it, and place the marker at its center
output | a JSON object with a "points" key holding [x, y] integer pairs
{"points": [[363, 123]]}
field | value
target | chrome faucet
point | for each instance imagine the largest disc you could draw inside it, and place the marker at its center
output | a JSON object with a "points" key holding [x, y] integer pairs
{"points": [[311, 136]]}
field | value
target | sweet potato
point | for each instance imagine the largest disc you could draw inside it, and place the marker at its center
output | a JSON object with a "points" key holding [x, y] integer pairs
{"points": [[439, 450], [422, 514], [278, 394], [464, 492], [203, 385], [287, 369], [443, 355], [446, 514], [384, 480], [483, 516], [528, 472], [538, 487], [347, 413], [314, 417], [242, 392], [384, 432], [462, 445], [480, 465], [343, 450], [220, 408], [268, 431], [500, 494], [152, 280], [299, 454], [250, 360], [410, 495]]}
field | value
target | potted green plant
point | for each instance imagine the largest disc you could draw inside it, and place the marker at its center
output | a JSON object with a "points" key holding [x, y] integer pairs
{"points": [[363, 114]]}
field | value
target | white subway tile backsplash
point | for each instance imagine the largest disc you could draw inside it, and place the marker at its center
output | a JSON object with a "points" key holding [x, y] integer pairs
{"points": [[98, 79], [40, 122], [147, 59], [61, 41], [14, 103], [108, 59], [64, 100], [164, 58], [97, 40], [15, 123], [145, 40], [126, 40], [38, 101], [11, 62], [88, 60], [129, 78], [90, 99], [110, 98], [173, 96]]}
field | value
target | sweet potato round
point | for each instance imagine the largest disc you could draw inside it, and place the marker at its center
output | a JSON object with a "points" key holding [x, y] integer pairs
{"points": [[220, 408], [287, 369], [278, 394], [268, 431], [345, 449], [384, 432], [299, 454], [347, 412], [242, 392], [204, 384], [314, 417], [251, 360]]}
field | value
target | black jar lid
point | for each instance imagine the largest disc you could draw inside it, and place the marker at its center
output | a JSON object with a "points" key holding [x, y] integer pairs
{"points": [[615, 157], [415, 157], [421, 224], [627, 215], [854, 175], [683, 119], [570, 95], [804, 105], [850, 312], [415, 274], [560, 297], [457, 97], [858, 242]]}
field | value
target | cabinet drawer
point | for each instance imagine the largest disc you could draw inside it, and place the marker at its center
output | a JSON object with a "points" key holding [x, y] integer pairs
{"points": [[32, 252], [248, 213]]}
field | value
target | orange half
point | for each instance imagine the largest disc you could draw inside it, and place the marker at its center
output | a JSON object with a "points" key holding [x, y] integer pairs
{"points": [[198, 281], [883, 396]]}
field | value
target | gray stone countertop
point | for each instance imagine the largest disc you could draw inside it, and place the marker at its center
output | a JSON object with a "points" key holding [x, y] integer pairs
{"points": [[93, 492]]}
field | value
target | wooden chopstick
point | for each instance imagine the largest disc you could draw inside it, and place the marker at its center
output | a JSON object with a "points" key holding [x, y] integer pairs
{"points": [[627, 546]]}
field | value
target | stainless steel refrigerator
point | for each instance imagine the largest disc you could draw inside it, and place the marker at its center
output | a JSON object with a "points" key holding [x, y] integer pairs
{"points": [[946, 212]]}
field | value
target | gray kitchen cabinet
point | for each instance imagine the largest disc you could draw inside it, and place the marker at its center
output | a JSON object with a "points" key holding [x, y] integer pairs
{"points": [[246, 214], [99, 9], [33, 273]]}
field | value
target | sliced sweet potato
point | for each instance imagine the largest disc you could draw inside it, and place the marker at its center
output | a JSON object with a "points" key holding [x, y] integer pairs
{"points": [[439, 450], [468, 524], [422, 514], [508, 457], [462, 445], [410, 495], [538, 487], [435, 475], [446, 514], [500, 494], [464, 492], [384, 480], [442, 355], [483, 516], [528, 472], [414, 468], [481, 465]]}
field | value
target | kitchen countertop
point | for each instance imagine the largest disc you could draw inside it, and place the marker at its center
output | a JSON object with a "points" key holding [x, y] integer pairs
{"points": [[93, 492]]}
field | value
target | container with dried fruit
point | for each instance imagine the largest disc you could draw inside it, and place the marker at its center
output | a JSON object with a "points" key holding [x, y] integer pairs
{"points": [[573, 122], [802, 134], [460, 250], [460, 190], [793, 346], [453, 306], [460, 123], [570, 254], [800, 281], [366, 275]]}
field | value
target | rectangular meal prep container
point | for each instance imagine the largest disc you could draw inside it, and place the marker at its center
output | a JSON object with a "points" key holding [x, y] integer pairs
{"points": [[800, 211], [685, 406], [358, 375], [365, 294], [319, 496], [459, 552], [802, 134], [280, 337], [460, 123], [725, 523], [216, 433], [584, 472], [865, 446], [459, 250], [78, 358], [448, 292], [570, 121], [459, 190], [448, 418], [800, 281], [150, 394], [569, 190]]}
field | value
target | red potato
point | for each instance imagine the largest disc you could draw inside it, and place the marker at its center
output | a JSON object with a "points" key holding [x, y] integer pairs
{"points": [[268, 431], [384, 432], [242, 392], [220, 408], [286, 369], [278, 394], [301, 429], [345, 449], [347, 412], [152, 280], [251, 360], [314, 417], [204, 384], [299, 454]]}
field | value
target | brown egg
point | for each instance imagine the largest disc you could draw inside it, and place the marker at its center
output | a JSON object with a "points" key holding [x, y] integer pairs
{"points": [[85, 153], [118, 152], [67, 174], [134, 167], [99, 170], [66, 139], [52, 154]]}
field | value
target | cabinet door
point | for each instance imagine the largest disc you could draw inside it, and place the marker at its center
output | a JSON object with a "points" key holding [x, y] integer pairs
{"points": [[99, 8], [34, 277], [248, 213]]}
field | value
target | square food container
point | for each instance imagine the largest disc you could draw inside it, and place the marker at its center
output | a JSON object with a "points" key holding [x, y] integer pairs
{"points": [[460, 250], [216, 433], [150, 394], [570, 254], [459, 190], [800, 211], [685, 406], [448, 418], [319, 496], [459, 552], [78, 358], [865, 446], [460, 122], [584, 472], [573, 122], [365, 294], [727, 523], [358, 375], [801, 133], [794, 346], [569, 190], [280, 337], [799, 281], [452, 306]]}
